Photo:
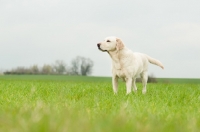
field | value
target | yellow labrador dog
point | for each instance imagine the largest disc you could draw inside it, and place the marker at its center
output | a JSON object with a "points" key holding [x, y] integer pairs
{"points": [[126, 64]]}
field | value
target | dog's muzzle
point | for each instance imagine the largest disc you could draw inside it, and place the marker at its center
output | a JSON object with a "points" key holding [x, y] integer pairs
{"points": [[98, 45]]}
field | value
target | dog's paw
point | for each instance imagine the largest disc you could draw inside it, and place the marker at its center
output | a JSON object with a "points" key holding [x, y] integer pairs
{"points": [[128, 93], [144, 91], [135, 90]]}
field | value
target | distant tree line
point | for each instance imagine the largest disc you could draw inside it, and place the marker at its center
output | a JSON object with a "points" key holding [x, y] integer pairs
{"points": [[79, 66], [151, 79]]}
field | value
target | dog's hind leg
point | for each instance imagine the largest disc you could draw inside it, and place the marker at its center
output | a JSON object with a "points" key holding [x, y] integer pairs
{"points": [[134, 85], [144, 78], [128, 85]]}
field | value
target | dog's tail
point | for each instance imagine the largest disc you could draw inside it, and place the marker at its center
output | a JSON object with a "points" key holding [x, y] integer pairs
{"points": [[155, 62]]}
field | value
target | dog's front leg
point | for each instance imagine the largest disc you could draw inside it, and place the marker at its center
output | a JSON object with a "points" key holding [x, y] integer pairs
{"points": [[128, 85], [115, 83]]}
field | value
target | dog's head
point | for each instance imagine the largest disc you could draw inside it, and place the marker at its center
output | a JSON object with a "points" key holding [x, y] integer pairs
{"points": [[110, 44]]}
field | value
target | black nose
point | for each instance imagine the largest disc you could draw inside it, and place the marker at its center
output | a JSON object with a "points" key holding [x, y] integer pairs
{"points": [[98, 45]]}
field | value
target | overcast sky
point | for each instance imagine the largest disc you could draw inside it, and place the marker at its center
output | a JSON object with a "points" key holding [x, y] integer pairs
{"points": [[42, 31]]}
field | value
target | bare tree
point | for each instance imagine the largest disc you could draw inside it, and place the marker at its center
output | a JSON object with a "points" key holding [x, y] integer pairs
{"points": [[81, 66], [86, 66], [47, 69], [75, 66], [59, 67], [34, 69]]}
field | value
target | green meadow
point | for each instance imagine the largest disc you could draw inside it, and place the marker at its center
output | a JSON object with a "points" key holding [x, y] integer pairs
{"points": [[40, 103]]}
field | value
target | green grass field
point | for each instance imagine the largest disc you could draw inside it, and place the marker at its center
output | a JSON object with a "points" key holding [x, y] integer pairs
{"points": [[87, 104]]}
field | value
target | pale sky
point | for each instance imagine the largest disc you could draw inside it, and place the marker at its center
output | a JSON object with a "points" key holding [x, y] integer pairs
{"points": [[42, 31]]}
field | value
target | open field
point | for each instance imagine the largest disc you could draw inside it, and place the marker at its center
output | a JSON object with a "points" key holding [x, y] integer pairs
{"points": [[90, 79], [179, 80], [87, 104]]}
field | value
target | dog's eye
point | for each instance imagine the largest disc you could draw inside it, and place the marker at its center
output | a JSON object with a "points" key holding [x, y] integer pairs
{"points": [[108, 40]]}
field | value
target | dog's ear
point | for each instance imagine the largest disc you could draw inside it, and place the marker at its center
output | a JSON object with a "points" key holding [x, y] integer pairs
{"points": [[120, 44]]}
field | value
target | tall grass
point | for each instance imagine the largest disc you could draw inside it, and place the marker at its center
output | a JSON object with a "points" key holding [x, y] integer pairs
{"points": [[39, 105]]}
